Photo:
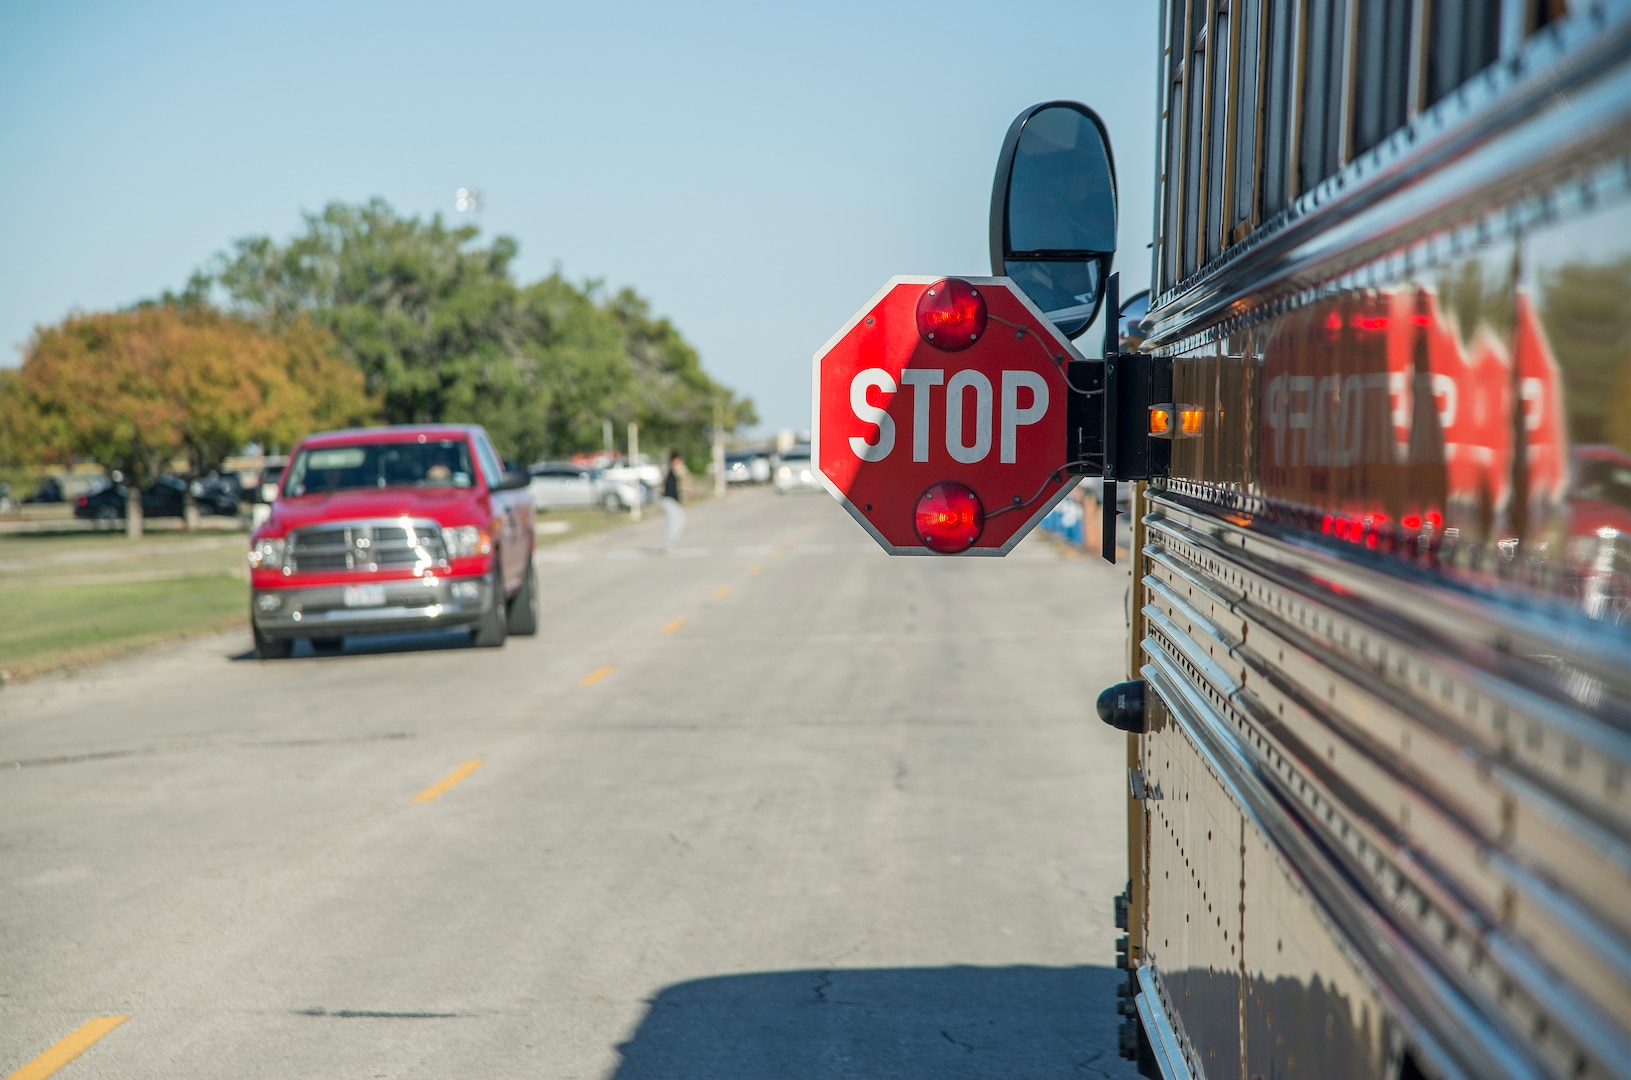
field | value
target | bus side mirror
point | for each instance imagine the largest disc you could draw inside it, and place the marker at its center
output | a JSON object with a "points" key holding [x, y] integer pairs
{"points": [[1131, 330], [1053, 211]]}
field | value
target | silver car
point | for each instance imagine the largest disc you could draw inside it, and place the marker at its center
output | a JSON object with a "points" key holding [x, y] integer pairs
{"points": [[747, 467], [794, 471], [568, 486]]}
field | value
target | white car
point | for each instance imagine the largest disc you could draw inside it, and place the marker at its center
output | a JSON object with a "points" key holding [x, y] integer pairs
{"points": [[747, 467], [566, 486], [794, 471], [647, 479]]}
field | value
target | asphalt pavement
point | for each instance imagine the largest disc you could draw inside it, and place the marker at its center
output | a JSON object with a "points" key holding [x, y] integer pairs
{"points": [[772, 806]]}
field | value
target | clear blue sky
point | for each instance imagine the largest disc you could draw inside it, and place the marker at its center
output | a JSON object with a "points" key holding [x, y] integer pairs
{"points": [[756, 170]]}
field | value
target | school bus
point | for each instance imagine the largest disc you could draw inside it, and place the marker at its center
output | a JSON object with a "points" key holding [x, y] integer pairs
{"points": [[1380, 627]]}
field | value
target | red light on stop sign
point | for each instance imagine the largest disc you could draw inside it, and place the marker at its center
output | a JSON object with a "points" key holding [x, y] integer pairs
{"points": [[949, 517], [951, 314]]}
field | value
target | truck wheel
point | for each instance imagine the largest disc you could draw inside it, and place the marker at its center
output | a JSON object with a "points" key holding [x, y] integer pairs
{"points": [[522, 616], [270, 648], [490, 632]]}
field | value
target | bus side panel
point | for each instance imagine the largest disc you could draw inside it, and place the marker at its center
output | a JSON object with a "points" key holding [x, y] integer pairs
{"points": [[1192, 932], [1308, 1012]]}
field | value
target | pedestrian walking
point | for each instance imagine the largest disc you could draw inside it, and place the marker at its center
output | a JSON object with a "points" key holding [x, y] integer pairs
{"points": [[676, 485]]}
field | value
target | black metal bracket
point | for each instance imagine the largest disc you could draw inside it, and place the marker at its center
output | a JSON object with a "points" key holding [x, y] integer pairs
{"points": [[1107, 416]]}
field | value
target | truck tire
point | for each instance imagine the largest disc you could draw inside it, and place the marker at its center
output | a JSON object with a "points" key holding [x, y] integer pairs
{"points": [[490, 632], [522, 615], [270, 648]]}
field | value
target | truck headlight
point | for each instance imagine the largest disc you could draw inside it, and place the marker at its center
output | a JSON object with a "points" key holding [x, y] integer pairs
{"points": [[266, 554], [466, 540]]}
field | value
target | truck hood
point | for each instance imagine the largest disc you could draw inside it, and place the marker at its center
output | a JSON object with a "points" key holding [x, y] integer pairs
{"points": [[445, 506]]}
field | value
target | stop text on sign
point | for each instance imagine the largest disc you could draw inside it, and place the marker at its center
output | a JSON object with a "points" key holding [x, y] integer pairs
{"points": [[965, 411], [940, 416]]}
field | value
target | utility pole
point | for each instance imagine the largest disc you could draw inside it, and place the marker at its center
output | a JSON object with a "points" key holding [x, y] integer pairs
{"points": [[634, 462], [606, 435], [719, 449]]}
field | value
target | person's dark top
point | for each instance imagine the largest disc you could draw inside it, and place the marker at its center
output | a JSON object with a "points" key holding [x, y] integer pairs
{"points": [[671, 485]]}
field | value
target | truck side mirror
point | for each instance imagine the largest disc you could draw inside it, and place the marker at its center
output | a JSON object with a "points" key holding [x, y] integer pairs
{"points": [[1053, 211]]}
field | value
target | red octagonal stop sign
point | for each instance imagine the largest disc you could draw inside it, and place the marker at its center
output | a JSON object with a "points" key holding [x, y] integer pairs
{"points": [[982, 415]]}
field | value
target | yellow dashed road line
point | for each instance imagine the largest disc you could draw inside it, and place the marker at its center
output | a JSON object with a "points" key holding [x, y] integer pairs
{"points": [[673, 626], [437, 789], [722, 592], [595, 676], [69, 1048]]}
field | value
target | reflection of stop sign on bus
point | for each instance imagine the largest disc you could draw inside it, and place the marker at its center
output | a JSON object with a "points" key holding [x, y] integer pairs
{"points": [[940, 416]]}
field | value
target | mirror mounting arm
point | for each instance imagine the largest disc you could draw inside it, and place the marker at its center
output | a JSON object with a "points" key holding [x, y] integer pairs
{"points": [[1108, 417]]}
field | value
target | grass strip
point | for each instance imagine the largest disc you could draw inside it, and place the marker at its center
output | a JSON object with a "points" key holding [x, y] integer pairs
{"points": [[50, 626]]}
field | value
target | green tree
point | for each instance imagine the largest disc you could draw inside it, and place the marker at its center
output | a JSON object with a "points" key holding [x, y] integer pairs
{"points": [[1584, 312], [442, 332], [136, 389]]}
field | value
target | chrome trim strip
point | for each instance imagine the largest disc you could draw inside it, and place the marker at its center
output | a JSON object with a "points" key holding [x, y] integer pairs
{"points": [[1574, 1013], [1169, 1058], [1503, 626], [1454, 1036], [1446, 165], [424, 534], [1583, 1020]]}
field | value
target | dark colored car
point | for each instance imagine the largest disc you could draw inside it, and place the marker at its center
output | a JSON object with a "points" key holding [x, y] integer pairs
{"points": [[165, 497], [218, 493], [49, 491]]}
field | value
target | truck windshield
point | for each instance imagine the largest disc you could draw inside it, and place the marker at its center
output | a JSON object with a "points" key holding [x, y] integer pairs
{"points": [[442, 463]]}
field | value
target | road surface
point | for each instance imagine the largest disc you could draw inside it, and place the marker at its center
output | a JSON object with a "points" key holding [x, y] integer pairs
{"points": [[775, 805]]}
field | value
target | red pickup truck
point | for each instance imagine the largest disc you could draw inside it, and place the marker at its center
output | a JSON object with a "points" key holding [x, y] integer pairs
{"points": [[378, 530]]}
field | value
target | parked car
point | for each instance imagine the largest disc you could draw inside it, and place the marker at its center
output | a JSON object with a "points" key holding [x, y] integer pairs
{"points": [[747, 467], [271, 476], [646, 478], [48, 491], [378, 530], [218, 493], [560, 486], [164, 497], [794, 472]]}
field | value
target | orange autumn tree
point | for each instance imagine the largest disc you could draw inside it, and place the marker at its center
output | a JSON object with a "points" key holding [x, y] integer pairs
{"points": [[136, 389]]}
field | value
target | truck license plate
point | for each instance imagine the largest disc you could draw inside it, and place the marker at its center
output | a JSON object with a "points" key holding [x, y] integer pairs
{"points": [[364, 595]]}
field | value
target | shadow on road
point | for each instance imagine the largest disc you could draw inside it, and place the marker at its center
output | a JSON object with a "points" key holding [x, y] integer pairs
{"points": [[1000, 1023], [371, 644]]}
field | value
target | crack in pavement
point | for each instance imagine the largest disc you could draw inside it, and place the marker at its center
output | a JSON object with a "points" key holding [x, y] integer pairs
{"points": [[181, 748], [369, 1014]]}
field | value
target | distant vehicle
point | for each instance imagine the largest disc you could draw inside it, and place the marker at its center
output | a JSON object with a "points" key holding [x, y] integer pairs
{"points": [[794, 471], [164, 497], [271, 476], [562, 486], [222, 492], [379, 530], [48, 491], [646, 478], [747, 467]]}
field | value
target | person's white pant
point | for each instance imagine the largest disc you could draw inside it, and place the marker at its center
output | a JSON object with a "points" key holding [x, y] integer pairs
{"points": [[673, 522]]}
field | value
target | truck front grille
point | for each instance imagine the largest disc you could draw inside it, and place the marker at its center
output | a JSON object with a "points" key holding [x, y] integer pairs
{"points": [[366, 547]]}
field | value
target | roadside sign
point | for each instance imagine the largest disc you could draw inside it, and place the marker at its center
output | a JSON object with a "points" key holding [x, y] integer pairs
{"points": [[940, 416]]}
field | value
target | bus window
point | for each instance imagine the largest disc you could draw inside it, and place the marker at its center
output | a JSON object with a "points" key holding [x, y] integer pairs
{"points": [[1382, 78], [1278, 74], [1245, 128]]}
